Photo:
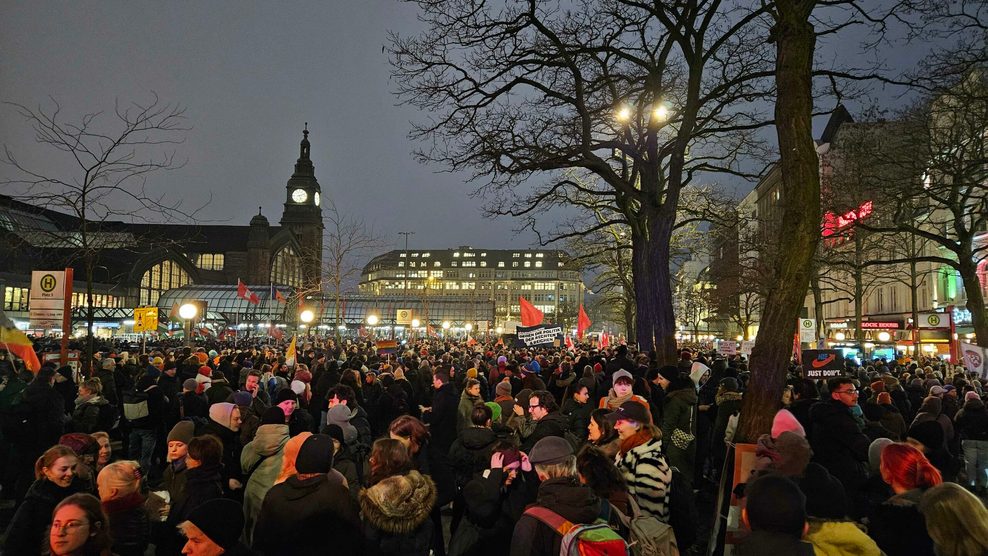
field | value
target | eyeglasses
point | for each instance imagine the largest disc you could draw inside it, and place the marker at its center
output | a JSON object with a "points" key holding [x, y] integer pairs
{"points": [[530, 406], [68, 526], [851, 392]]}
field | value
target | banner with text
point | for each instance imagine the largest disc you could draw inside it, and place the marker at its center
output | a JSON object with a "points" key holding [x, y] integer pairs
{"points": [[822, 363], [975, 359], [541, 335]]}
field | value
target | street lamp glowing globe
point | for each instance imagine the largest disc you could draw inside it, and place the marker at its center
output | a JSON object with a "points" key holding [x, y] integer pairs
{"points": [[307, 316], [500, 330], [840, 336], [372, 320], [884, 336], [188, 311], [469, 327], [445, 325], [416, 323]]}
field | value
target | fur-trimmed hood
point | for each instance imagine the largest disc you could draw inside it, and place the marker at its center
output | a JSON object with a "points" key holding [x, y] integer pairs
{"points": [[398, 504]]}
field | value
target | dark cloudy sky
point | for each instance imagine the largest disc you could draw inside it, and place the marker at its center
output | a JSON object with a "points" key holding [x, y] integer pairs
{"points": [[249, 74]]}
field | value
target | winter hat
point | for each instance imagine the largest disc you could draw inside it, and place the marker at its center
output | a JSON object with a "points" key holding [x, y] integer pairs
{"points": [[298, 387], [949, 388], [286, 394], [190, 384], [304, 376], [502, 360], [158, 362], [273, 416], [471, 373], [340, 416], [936, 391], [222, 413], [503, 388], [785, 421], [241, 398], [206, 371], [183, 431], [551, 449], [669, 372], [82, 444], [730, 384], [875, 452], [631, 411], [218, 375], [336, 433], [511, 456], [315, 455], [774, 503], [972, 395], [108, 364], [220, 519], [794, 454], [884, 398], [619, 374], [878, 386], [825, 497], [495, 411]]}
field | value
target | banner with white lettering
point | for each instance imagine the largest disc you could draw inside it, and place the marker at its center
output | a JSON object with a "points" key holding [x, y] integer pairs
{"points": [[541, 335], [975, 359]]}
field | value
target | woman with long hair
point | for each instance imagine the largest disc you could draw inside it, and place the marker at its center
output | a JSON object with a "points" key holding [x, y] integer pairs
{"points": [[396, 506], [641, 461], [956, 520], [601, 434], [897, 525], [79, 528], [55, 479], [105, 455], [119, 487], [415, 436]]}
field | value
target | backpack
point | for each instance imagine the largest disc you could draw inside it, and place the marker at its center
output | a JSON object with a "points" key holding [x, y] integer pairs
{"points": [[648, 535], [581, 539], [135, 404]]}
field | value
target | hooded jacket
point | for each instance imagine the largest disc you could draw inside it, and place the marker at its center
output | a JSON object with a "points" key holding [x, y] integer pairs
{"points": [[263, 455], [202, 484], [680, 412], [972, 421], [85, 416], [295, 510], [568, 498], [395, 515], [465, 409]]}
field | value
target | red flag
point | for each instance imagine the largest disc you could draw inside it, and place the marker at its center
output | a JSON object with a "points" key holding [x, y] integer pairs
{"points": [[244, 293], [530, 316], [605, 341], [17, 343], [276, 332], [582, 322], [569, 342], [279, 298], [471, 341], [500, 342]]}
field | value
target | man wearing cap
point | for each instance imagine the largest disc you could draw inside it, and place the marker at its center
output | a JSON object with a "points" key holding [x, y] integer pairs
{"points": [[214, 528], [560, 492]]}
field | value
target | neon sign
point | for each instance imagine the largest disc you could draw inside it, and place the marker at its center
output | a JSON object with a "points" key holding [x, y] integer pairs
{"points": [[834, 224]]}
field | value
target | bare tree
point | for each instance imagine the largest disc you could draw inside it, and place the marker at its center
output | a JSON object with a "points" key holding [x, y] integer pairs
{"points": [[109, 158]]}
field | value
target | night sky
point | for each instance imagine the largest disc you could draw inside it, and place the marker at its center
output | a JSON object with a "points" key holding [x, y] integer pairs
{"points": [[249, 74]]}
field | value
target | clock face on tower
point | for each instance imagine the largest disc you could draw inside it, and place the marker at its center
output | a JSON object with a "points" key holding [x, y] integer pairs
{"points": [[299, 195], [315, 198]]}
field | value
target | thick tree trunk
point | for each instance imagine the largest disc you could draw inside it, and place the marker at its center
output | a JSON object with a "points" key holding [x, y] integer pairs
{"points": [[975, 298], [800, 227], [655, 323]]}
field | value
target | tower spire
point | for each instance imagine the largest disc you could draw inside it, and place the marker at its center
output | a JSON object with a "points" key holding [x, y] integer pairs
{"points": [[304, 147]]}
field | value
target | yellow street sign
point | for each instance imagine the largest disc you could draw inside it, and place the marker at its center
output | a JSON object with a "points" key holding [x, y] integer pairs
{"points": [[145, 319]]}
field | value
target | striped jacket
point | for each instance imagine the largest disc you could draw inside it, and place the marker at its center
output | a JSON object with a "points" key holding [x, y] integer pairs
{"points": [[649, 477]]}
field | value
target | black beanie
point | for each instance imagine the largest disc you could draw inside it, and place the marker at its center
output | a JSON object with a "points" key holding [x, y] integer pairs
{"points": [[273, 416], [669, 372], [286, 394], [315, 455], [220, 519], [336, 433], [774, 503]]}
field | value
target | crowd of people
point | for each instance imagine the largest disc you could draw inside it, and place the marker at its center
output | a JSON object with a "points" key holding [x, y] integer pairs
{"points": [[233, 449]]}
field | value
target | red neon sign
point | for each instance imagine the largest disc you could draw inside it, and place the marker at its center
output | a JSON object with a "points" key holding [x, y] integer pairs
{"points": [[880, 324], [834, 224]]}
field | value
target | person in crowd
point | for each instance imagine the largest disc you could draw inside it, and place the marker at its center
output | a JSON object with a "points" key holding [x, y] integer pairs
{"points": [[87, 451], [79, 527], [678, 424], [260, 400], [837, 441], [341, 394], [144, 407], [601, 433], [775, 512], [174, 476], [504, 398], [55, 480], [622, 383], [105, 455], [308, 501], [192, 403], [219, 388], [897, 526], [416, 438], [468, 399], [972, 425], [640, 459], [805, 394], [471, 451], [544, 419], [40, 418], [203, 483], [560, 492], [224, 423], [214, 528], [342, 462], [290, 454], [120, 493], [396, 505], [727, 401], [598, 471], [261, 462], [956, 520], [576, 407], [932, 410], [90, 410]]}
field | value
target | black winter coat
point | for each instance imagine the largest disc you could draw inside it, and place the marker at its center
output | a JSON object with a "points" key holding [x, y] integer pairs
{"points": [[898, 527], [495, 509], [971, 422], [130, 527], [553, 424], [568, 498], [306, 517], [201, 485], [26, 533], [471, 452], [838, 444], [442, 418], [193, 405], [579, 416], [44, 408]]}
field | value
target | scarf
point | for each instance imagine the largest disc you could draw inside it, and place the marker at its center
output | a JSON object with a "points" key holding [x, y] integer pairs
{"points": [[643, 436], [614, 402]]}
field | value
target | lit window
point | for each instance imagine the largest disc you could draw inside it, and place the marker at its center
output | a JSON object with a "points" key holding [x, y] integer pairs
{"points": [[402, 255], [401, 263], [528, 264], [457, 254], [514, 264], [424, 255], [539, 255], [483, 263], [528, 255], [515, 255], [500, 264], [538, 264], [437, 263]]}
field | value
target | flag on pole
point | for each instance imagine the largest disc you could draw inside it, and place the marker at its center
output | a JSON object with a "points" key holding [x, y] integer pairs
{"points": [[530, 315], [500, 342], [605, 340], [582, 322], [17, 343], [569, 342], [173, 314], [470, 341], [244, 293], [975, 359], [290, 354], [279, 298], [276, 332]]}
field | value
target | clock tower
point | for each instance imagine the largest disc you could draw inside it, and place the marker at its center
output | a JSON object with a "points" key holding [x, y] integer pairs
{"points": [[303, 213]]}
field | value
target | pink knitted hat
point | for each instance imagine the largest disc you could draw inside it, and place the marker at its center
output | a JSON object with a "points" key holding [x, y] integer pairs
{"points": [[786, 422]]}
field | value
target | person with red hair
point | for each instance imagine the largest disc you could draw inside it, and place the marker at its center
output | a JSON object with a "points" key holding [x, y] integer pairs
{"points": [[897, 526]]}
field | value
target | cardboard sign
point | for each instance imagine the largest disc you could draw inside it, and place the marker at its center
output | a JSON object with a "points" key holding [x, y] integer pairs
{"points": [[541, 335], [727, 347], [822, 363], [975, 359], [747, 346]]}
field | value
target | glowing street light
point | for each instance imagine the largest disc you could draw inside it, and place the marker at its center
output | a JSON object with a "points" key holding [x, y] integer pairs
{"points": [[372, 320], [840, 336], [623, 114], [661, 113], [500, 330], [884, 336], [307, 316], [469, 327], [188, 311], [445, 325]]}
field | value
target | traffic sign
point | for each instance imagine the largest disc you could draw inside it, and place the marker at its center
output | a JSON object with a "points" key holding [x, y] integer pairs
{"points": [[47, 300], [145, 319]]}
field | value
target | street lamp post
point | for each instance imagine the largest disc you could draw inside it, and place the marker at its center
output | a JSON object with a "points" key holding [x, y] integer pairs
{"points": [[188, 313]]}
